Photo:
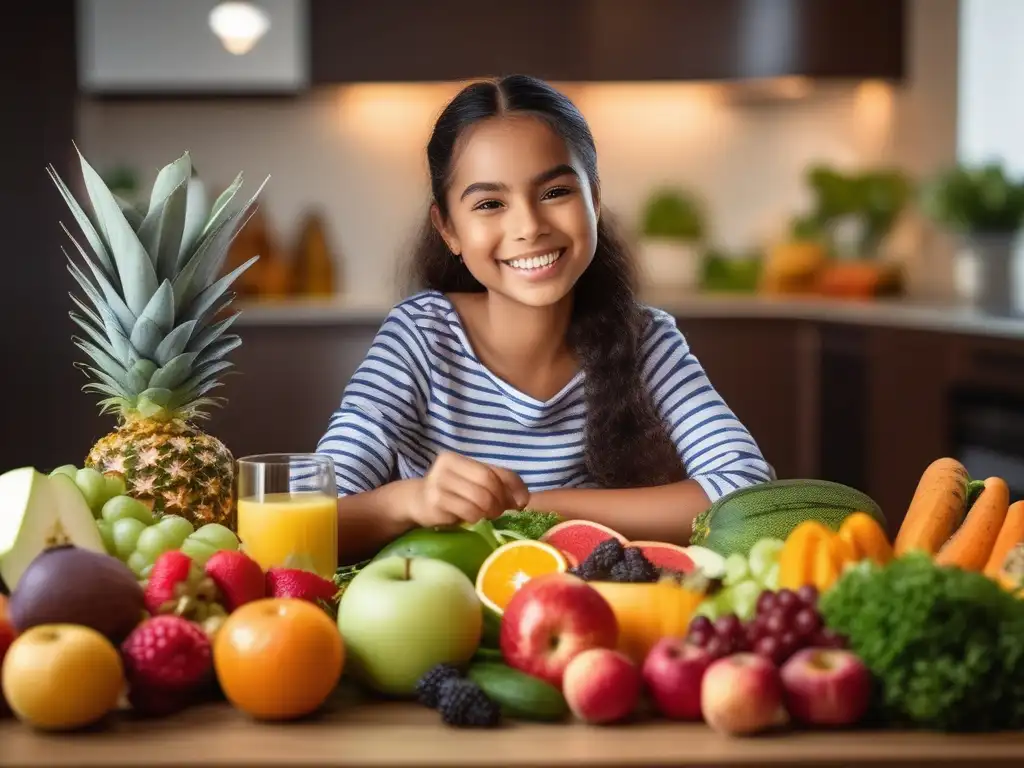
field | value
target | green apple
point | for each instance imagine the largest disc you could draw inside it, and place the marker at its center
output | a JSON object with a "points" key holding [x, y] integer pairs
{"points": [[400, 616]]}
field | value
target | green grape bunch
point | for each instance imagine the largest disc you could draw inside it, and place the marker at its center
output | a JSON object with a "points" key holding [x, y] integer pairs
{"points": [[133, 534]]}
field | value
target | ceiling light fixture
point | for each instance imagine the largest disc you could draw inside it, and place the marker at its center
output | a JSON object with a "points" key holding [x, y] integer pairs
{"points": [[239, 25]]}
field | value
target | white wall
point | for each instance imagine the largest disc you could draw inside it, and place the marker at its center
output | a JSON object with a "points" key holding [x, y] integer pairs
{"points": [[992, 82], [356, 153]]}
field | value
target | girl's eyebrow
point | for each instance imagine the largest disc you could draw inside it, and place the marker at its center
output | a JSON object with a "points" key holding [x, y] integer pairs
{"points": [[562, 169]]}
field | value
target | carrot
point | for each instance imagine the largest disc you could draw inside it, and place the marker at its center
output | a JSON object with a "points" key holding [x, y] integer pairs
{"points": [[970, 547], [937, 509], [1010, 535]]}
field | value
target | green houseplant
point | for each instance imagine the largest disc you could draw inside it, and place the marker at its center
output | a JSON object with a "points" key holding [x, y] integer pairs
{"points": [[984, 207], [672, 231]]}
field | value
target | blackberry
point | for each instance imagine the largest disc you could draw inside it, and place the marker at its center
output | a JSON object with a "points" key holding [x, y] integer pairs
{"points": [[600, 561], [463, 704], [428, 688], [633, 568]]}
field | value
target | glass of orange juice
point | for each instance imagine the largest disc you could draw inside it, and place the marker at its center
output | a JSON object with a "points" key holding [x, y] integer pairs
{"points": [[287, 511]]}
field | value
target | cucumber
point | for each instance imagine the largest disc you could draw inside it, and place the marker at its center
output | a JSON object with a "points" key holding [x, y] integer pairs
{"points": [[519, 695], [738, 520]]}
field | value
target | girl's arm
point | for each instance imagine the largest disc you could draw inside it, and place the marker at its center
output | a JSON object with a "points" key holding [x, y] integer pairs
{"points": [[664, 513], [717, 451]]}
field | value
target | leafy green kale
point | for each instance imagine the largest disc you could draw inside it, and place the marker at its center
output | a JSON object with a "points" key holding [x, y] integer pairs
{"points": [[946, 646], [530, 523]]}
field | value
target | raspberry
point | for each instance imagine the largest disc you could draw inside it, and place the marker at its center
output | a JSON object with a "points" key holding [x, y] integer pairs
{"points": [[167, 653]]}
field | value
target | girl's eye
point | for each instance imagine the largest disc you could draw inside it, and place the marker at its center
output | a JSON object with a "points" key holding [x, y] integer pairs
{"points": [[486, 205], [557, 192]]}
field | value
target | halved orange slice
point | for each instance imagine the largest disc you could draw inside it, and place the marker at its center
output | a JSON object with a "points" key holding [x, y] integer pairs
{"points": [[510, 566]]}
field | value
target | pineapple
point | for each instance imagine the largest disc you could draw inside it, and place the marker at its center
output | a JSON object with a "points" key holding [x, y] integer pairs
{"points": [[156, 334]]}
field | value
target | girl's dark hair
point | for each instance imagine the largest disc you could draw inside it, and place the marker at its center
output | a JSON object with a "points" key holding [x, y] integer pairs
{"points": [[627, 444]]}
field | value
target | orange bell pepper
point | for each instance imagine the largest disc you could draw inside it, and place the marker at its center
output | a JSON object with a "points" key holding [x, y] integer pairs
{"points": [[815, 554], [866, 538]]}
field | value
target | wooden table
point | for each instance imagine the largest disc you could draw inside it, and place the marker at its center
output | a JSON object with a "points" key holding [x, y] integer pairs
{"points": [[388, 734]]}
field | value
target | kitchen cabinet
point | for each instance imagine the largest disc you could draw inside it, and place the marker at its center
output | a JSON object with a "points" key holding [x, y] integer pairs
{"points": [[160, 48], [606, 40]]}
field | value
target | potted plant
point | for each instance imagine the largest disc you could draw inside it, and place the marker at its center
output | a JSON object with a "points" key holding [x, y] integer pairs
{"points": [[671, 236], [984, 208]]}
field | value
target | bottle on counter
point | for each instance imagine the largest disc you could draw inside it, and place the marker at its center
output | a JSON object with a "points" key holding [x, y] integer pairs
{"points": [[313, 268], [269, 275]]}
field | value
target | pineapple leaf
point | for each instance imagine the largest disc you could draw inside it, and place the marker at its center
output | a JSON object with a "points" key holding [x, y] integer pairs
{"points": [[174, 343], [206, 373], [160, 308], [161, 232], [169, 179], [138, 276], [103, 389], [139, 374], [86, 225], [125, 317], [90, 328], [146, 337], [116, 339], [192, 395], [174, 373], [220, 205], [218, 350], [209, 295], [106, 363], [195, 219], [208, 259], [158, 395], [131, 213], [211, 333]]}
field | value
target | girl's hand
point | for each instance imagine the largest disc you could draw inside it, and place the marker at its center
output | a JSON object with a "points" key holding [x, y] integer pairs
{"points": [[458, 489]]}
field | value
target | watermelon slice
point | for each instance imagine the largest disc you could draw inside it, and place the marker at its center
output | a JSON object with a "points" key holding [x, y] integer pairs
{"points": [[663, 555], [576, 539]]}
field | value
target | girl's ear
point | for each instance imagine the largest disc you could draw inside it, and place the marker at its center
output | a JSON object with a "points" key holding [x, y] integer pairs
{"points": [[446, 234]]}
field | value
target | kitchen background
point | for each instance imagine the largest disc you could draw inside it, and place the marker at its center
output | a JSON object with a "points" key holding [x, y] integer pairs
{"points": [[772, 160]]}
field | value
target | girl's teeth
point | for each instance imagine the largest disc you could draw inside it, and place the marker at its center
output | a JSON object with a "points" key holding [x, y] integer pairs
{"points": [[536, 262]]}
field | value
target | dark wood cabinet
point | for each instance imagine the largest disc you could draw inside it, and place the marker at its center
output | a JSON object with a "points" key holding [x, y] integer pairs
{"points": [[766, 373], [605, 40]]}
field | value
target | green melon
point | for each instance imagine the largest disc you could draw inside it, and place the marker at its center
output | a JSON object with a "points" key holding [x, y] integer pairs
{"points": [[739, 519]]}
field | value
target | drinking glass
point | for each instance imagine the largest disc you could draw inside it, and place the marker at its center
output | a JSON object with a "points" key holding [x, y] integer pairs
{"points": [[287, 511]]}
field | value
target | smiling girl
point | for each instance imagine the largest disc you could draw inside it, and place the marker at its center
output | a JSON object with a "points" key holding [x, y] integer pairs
{"points": [[524, 372]]}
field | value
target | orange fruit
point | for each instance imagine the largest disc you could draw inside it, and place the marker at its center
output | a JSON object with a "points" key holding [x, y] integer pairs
{"points": [[510, 566], [278, 658]]}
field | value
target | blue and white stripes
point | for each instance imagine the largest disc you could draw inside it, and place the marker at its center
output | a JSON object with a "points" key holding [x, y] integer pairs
{"points": [[421, 390]]}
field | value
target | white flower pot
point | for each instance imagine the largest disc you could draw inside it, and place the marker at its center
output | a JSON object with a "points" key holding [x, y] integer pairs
{"points": [[987, 272], [665, 263]]}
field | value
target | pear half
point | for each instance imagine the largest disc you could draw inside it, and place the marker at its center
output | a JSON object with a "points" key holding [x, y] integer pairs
{"points": [[38, 512]]}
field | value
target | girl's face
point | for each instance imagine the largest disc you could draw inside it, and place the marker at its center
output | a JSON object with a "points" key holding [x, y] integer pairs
{"points": [[521, 212]]}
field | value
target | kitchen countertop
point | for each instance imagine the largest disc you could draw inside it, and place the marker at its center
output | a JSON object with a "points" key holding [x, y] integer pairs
{"points": [[401, 734], [904, 312]]}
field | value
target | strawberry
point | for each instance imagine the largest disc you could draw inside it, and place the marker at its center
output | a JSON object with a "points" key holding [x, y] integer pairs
{"points": [[238, 577], [303, 585], [167, 659], [171, 577]]}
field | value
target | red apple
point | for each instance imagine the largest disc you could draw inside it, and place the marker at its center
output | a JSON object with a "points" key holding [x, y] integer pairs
{"points": [[550, 620], [673, 671], [742, 694], [826, 686], [602, 685]]}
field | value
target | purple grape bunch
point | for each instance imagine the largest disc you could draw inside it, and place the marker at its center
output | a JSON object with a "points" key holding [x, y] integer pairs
{"points": [[784, 623]]}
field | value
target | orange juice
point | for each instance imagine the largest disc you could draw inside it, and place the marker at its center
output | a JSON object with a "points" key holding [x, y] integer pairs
{"points": [[290, 530]]}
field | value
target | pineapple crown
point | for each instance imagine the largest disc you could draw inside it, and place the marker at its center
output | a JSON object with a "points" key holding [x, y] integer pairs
{"points": [[155, 291]]}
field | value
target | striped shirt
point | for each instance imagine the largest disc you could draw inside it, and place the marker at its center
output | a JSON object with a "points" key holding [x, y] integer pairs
{"points": [[421, 390]]}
